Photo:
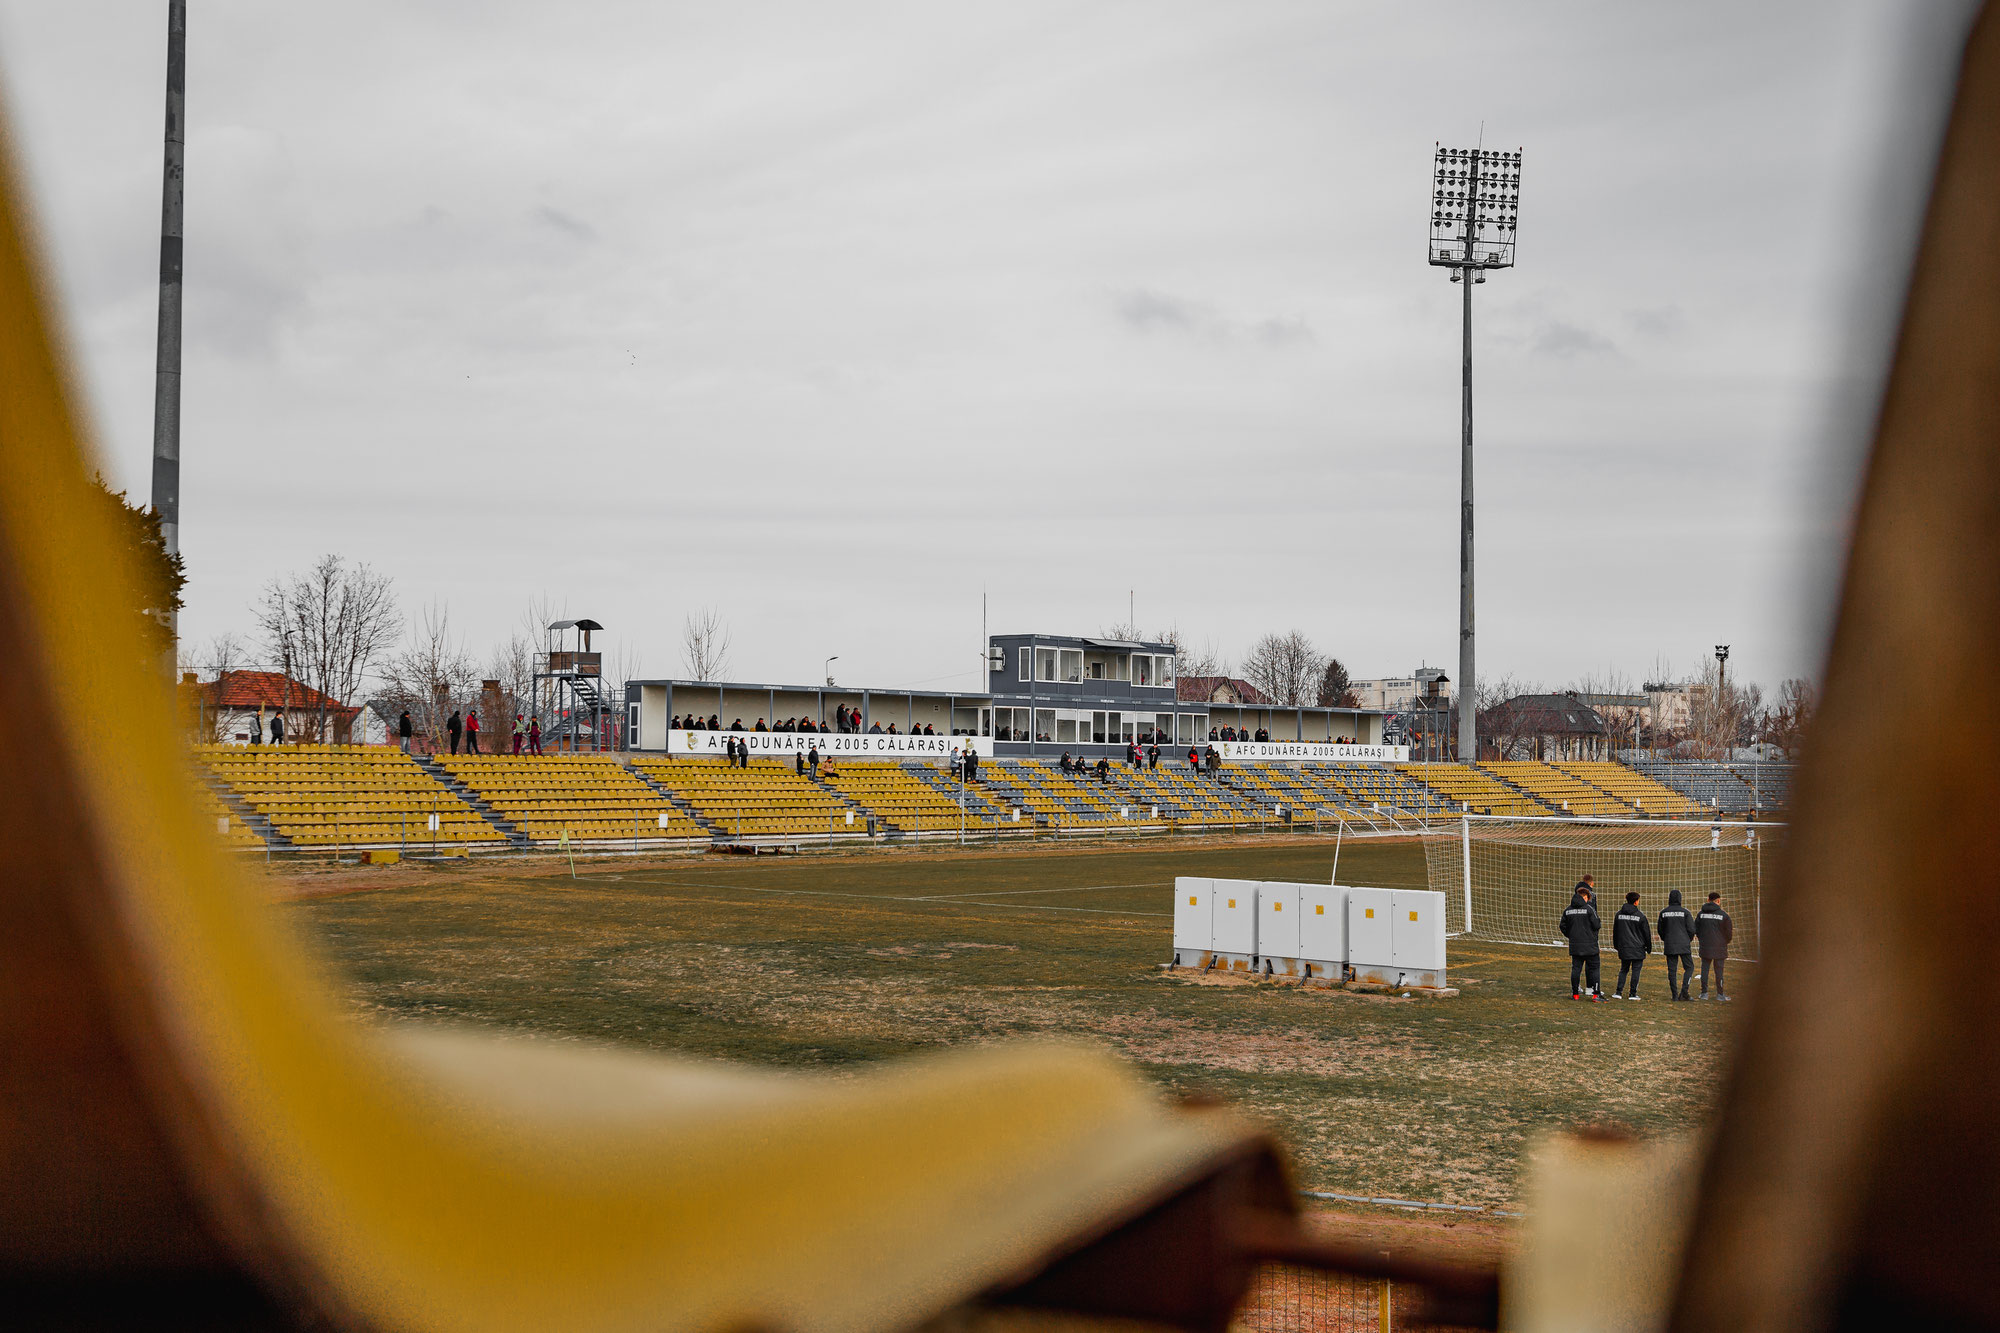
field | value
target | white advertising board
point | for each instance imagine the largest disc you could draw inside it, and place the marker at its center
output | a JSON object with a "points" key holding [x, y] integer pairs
{"points": [[1193, 923], [1278, 927], [1323, 925], [1299, 752], [838, 745], [1235, 917]]}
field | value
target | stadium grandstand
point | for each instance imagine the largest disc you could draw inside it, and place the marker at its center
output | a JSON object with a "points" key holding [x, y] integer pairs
{"points": [[889, 763]]}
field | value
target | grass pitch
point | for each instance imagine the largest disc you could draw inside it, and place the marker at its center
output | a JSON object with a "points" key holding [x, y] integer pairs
{"points": [[829, 962]]}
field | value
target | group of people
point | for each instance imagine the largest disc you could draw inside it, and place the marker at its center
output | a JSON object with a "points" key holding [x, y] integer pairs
{"points": [[1082, 768], [1681, 932], [1238, 734], [848, 721], [465, 727], [276, 724]]}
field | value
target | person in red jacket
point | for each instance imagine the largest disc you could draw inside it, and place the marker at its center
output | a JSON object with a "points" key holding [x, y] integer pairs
{"points": [[471, 731]]}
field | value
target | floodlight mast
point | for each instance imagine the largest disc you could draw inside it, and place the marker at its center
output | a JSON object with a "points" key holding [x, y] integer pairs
{"points": [[1475, 194], [167, 352]]}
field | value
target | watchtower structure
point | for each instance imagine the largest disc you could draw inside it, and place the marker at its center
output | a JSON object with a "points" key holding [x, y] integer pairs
{"points": [[569, 687]]}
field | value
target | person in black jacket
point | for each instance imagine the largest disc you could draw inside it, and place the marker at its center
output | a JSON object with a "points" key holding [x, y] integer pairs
{"points": [[1677, 943], [1580, 926], [1632, 937], [1713, 928]]}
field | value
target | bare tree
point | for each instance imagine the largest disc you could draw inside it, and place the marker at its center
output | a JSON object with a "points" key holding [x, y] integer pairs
{"points": [[1190, 659], [513, 665], [325, 628], [1786, 723], [1286, 668], [705, 644], [1718, 712], [432, 676]]}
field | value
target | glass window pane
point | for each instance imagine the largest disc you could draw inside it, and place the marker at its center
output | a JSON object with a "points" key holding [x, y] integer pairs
{"points": [[1045, 724], [1025, 660]]}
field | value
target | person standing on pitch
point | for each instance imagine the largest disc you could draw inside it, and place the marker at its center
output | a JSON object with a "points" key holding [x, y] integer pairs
{"points": [[1580, 926], [1714, 929], [1632, 937], [1677, 943]]}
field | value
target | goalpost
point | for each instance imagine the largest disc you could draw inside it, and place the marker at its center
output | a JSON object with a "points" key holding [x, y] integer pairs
{"points": [[1508, 878]]}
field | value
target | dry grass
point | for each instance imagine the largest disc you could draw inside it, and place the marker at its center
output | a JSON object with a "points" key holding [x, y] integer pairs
{"points": [[832, 961]]}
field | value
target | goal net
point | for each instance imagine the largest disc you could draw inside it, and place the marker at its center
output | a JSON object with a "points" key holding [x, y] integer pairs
{"points": [[1509, 879]]}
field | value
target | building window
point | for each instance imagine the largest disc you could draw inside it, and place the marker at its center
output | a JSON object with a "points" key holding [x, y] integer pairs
{"points": [[1097, 728], [1027, 661], [1045, 724], [1166, 673], [1045, 664], [1144, 675], [1072, 664]]}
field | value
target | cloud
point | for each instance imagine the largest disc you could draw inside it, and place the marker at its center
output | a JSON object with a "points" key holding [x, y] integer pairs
{"points": [[1558, 338], [564, 223], [1657, 322], [1146, 312]]}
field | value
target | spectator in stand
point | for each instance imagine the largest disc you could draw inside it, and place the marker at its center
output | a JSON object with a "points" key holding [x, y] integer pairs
{"points": [[1214, 735], [1214, 761], [1104, 772], [1194, 761], [798, 763], [403, 730], [971, 763], [760, 726], [737, 725], [472, 731], [875, 729], [278, 738], [257, 732], [535, 736], [454, 728], [812, 761], [674, 722], [520, 733], [1063, 763], [1153, 756]]}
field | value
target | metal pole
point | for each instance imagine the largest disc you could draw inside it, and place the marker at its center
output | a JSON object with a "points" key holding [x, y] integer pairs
{"points": [[167, 361], [1468, 727]]}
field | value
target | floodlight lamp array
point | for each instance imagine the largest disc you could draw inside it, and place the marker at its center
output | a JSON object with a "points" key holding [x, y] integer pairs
{"points": [[1475, 207]]}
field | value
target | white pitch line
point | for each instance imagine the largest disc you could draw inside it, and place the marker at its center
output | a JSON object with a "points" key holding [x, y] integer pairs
{"points": [[1017, 893], [897, 898]]}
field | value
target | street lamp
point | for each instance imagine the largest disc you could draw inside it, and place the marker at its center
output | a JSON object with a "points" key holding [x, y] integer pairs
{"points": [[1475, 202], [827, 668]]}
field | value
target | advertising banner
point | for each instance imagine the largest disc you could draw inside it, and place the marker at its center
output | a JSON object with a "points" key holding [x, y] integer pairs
{"points": [[838, 745], [1300, 752]]}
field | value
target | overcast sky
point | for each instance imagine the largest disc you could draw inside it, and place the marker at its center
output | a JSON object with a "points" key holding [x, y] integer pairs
{"points": [[833, 316]]}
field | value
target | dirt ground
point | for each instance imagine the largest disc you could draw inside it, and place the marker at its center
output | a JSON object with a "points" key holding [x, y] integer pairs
{"points": [[829, 962]]}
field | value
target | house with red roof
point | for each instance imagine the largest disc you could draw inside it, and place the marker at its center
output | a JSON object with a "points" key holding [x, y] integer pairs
{"points": [[234, 699]]}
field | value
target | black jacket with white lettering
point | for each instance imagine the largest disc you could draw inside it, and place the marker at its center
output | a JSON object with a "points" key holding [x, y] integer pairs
{"points": [[1676, 927], [1631, 933], [1714, 929], [1580, 926]]}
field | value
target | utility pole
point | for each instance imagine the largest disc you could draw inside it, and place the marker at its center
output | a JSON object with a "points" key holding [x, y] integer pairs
{"points": [[1475, 200], [167, 365]]}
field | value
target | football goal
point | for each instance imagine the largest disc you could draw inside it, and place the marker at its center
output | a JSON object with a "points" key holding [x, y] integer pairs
{"points": [[1509, 878]]}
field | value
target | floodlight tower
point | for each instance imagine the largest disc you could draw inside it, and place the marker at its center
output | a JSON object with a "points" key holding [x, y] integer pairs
{"points": [[167, 368], [1475, 196]]}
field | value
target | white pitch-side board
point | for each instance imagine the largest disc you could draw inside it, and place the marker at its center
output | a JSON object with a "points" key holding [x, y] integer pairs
{"points": [[1194, 919], [1323, 928], [1235, 914], [1278, 929], [1396, 936]]}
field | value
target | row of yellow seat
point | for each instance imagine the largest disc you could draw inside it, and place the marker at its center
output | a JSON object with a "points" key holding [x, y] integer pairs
{"points": [[587, 797], [769, 798]]}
